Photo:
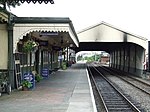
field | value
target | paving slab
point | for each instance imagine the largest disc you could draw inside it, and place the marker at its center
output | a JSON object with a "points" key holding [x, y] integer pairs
{"points": [[64, 91]]}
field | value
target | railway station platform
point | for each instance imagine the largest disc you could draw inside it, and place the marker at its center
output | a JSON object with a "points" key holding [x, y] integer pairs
{"points": [[64, 91]]}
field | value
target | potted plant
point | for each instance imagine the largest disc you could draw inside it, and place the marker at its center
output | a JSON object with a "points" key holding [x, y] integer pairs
{"points": [[26, 85], [64, 67], [38, 77]]}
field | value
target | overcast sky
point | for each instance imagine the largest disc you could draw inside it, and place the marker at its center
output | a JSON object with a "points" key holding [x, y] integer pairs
{"points": [[129, 15]]}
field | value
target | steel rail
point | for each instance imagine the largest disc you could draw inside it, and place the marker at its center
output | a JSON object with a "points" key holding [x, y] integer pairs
{"points": [[128, 101], [141, 89], [118, 72], [105, 107]]}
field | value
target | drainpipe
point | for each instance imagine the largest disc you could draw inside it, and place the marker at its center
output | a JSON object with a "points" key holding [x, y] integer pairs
{"points": [[10, 53]]}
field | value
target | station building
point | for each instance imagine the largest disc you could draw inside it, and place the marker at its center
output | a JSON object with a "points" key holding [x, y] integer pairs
{"points": [[33, 44]]}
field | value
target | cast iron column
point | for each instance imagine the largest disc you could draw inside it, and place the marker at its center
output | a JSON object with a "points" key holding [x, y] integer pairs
{"points": [[67, 58], [10, 53], [41, 60], [148, 55]]}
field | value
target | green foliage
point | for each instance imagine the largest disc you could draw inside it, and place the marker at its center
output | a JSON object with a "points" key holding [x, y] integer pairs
{"points": [[97, 57], [64, 65], [92, 58], [38, 77], [29, 46], [26, 84], [89, 59]]}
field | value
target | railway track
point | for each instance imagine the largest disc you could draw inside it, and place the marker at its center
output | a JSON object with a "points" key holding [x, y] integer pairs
{"points": [[113, 100], [142, 86]]}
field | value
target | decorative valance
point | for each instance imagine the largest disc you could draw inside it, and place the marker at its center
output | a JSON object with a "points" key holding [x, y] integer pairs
{"points": [[28, 1]]}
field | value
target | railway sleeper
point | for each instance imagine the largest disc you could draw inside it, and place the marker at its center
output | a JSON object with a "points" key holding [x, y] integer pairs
{"points": [[112, 97], [115, 103], [120, 110], [114, 100], [116, 106]]}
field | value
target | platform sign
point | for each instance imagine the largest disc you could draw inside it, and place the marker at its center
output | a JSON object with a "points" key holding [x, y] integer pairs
{"points": [[56, 48], [45, 72], [43, 43], [31, 78]]}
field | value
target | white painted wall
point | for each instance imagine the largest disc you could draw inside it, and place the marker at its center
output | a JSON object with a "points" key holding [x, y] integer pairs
{"points": [[106, 33], [3, 46], [20, 30]]}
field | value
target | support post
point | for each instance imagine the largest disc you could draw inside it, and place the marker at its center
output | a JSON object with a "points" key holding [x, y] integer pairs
{"points": [[67, 57], [129, 58], [10, 54], [114, 64], [37, 60], [124, 57], [52, 60], [135, 58], [116, 58], [148, 55], [120, 58], [41, 60]]}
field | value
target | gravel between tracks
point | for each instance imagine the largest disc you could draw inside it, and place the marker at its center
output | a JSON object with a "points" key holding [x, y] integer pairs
{"points": [[136, 95]]}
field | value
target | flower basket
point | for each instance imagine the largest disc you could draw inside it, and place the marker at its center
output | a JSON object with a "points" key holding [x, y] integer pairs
{"points": [[29, 46]]}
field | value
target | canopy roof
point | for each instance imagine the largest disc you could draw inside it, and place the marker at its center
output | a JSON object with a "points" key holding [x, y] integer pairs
{"points": [[104, 32], [57, 31], [28, 1]]}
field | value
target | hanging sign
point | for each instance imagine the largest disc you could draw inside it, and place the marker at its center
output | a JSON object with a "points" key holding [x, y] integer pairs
{"points": [[43, 43]]}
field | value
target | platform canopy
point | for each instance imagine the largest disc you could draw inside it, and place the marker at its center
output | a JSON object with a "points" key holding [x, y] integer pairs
{"points": [[28, 1], [57, 31]]}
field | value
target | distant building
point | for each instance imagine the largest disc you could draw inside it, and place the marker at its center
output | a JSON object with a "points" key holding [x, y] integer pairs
{"points": [[104, 58]]}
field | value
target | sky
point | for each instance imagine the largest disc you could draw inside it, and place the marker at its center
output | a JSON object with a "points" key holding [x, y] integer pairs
{"points": [[129, 15]]}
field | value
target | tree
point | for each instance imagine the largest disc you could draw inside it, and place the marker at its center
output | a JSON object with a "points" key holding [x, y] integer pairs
{"points": [[9, 4]]}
